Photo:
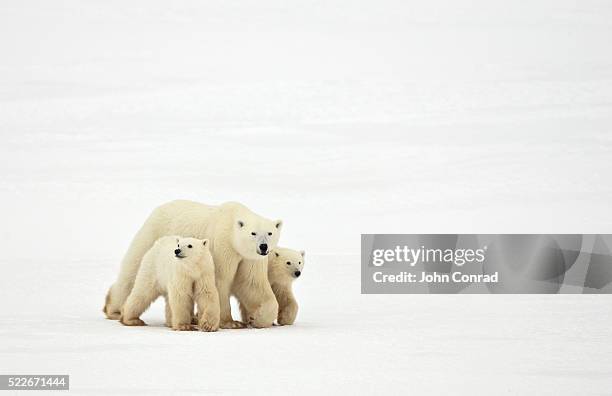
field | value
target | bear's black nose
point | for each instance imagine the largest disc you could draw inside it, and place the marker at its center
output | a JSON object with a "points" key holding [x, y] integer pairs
{"points": [[297, 273], [177, 251], [263, 248]]}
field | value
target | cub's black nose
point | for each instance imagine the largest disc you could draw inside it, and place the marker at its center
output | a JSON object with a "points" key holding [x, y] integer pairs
{"points": [[297, 273], [177, 251], [263, 248]]}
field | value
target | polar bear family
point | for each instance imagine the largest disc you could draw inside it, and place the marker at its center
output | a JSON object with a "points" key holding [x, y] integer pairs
{"points": [[192, 253]]}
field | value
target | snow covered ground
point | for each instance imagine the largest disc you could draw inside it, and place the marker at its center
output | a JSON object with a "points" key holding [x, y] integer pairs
{"points": [[339, 117]]}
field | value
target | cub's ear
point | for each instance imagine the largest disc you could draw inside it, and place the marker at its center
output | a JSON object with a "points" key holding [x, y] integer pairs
{"points": [[303, 253], [204, 242], [276, 254], [278, 224], [240, 223]]}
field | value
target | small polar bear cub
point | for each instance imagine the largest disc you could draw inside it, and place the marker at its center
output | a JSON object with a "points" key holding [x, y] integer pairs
{"points": [[285, 266], [181, 270]]}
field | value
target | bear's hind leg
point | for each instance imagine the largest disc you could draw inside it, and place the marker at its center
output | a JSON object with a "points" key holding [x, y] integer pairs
{"points": [[108, 309], [168, 312], [224, 277], [138, 301], [244, 312], [121, 289], [227, 322]]}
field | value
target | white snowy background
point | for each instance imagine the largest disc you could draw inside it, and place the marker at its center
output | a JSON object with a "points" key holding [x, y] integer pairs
{"points": [[341, 118]]}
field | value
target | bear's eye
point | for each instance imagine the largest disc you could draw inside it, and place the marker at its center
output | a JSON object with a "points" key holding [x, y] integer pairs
{"points": [[189, 246], [288, 262], [269, 233], [299, 262], [253, 233]]}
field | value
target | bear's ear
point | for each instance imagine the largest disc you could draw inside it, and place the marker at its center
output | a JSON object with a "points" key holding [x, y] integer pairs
{"points": [[240, 223], [276, 254], [303, 253], [278, 224], [204, 242]]}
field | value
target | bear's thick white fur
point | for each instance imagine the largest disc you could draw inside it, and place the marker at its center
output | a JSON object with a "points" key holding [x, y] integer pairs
{"points": [[258, 305], [181, 270], [235, 234], [285, 266]]}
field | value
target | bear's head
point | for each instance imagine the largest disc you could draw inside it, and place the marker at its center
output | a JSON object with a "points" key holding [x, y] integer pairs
{"points": [[290, 260], [190, 247], [255, 237]]}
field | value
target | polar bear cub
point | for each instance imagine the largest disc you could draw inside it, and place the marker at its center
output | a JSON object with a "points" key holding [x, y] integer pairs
{"points": [[182, 270], [285, 266]]}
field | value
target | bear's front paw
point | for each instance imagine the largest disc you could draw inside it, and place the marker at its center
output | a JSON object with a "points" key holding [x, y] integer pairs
{"points": [[184, 327], [113, 315], [264, 315], [133, 322], [258, 323], [233, 324], [206, 325]]}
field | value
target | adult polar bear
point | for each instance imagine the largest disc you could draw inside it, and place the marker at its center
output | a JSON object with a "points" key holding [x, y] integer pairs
{"points": [[238, 238]]}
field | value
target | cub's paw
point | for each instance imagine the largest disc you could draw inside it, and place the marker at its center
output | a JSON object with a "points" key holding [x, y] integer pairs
{"points": [[132, 322], [285, 318], [184, 327], [234, 324]]}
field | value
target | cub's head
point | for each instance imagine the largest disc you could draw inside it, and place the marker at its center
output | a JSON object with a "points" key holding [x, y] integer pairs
{"points": [[290, 261], [255, 237], [190, 247]]}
